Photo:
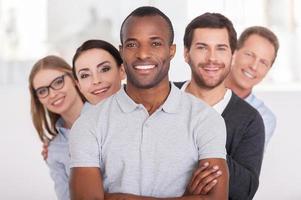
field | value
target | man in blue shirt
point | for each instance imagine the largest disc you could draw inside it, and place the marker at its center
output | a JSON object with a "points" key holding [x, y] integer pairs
{"points": [[255, 54]]}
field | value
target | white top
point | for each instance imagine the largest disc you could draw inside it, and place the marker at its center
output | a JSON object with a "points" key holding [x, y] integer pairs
{"points": [[219, 106]]}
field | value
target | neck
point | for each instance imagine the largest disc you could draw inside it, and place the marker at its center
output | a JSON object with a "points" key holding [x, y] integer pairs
{"points": [[239, 91], [210, 95], [151, 98], [73, 113]]}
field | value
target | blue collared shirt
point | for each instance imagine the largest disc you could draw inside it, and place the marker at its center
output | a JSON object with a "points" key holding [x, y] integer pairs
{"points": [[269, 119], [58, 161]]}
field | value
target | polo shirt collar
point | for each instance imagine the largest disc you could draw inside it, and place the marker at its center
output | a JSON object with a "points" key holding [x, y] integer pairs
{"points": [[125, 102], [171, 104]]}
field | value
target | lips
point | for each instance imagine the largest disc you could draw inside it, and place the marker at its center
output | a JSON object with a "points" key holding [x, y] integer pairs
{"points": [[58, 102], [100, 91], [248, 74], [210, 68], [144, 67]]}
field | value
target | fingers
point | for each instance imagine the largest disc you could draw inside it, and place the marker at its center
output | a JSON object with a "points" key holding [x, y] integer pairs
{"points": [[199, 170], [44, 152], [208, 187], [195, 174], [207, 183], [202, 179]]}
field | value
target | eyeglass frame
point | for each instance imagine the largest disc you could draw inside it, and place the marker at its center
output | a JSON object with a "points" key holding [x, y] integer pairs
{"points": [[51, 86]]}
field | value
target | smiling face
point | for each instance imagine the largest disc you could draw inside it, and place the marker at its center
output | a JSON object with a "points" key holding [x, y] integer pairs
{"points": [[59, 101], [98, 74], [146, 51], [252, 62], [209, 56]]}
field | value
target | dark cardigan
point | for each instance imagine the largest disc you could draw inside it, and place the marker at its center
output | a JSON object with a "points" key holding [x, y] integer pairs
{"points": [[244, 145]]}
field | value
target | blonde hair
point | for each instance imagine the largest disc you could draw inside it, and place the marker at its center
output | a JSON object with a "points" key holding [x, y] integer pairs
{"points": [[43, 119]]}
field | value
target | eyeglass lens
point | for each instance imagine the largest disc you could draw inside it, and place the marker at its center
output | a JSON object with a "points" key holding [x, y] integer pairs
{"points": [[56, 84]]}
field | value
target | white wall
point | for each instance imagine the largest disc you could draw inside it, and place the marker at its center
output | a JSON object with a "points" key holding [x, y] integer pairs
{"points": [[280, 175], [24, 175]]}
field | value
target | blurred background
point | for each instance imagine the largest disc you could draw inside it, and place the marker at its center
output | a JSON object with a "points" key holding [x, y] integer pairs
{"points": [[32, 29]]}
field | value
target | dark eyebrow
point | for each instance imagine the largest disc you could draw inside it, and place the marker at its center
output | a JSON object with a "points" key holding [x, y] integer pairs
{"points": [[223, 45], [46, 86], [129, 40], [83, 69], [201, 43], [98, 65], [102, 63], [134, 40], [156, 38]]}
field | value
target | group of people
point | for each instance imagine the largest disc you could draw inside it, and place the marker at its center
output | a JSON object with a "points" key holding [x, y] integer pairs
{"points": [[152, 138]]}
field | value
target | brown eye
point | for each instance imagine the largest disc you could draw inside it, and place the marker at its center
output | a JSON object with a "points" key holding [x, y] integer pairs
{"points": [[41, 92], [105, 69], [131, 45], [83, 76], [156, 44], [58, 83]]}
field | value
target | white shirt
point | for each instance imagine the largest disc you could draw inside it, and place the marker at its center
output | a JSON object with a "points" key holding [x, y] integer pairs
{"points": [[219, 106]]}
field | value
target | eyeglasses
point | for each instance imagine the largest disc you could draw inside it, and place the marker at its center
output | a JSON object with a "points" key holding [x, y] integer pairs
{"points": [[57, 84]]}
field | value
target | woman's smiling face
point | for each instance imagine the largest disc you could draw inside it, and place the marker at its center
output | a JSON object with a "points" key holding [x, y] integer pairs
{"points": [[98, 74]]}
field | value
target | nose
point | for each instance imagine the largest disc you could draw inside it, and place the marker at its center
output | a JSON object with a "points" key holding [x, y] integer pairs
{"points": [[143, 52], [96, 79], [254, 65], [52, 92], [211, 55]]}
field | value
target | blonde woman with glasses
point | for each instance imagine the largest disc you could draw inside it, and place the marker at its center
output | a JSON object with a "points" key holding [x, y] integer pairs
{"points": [[56, 103]]}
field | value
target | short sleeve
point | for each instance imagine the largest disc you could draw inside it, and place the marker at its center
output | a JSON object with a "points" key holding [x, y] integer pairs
{"points": [[211, 136], [85, 142]]}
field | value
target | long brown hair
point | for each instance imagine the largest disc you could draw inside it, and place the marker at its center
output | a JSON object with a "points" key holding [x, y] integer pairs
{"points": [[43, 119]]}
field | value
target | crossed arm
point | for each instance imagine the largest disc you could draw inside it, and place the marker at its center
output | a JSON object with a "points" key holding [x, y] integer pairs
{"points": [[244, 165], [86, 184]]}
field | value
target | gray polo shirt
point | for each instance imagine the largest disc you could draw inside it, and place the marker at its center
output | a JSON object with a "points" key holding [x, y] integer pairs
{"points": [[142, 154]]}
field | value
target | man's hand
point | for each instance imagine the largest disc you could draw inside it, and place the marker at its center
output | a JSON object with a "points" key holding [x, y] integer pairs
{"points": [[203, 179]]}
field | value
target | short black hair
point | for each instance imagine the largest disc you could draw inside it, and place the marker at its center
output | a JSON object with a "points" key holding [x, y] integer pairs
{"points": [[210, 20], [96, 44], [149, 11]]}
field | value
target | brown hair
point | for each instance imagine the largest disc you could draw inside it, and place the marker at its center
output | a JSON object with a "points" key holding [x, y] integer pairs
{"points": [[43, 119], [96, 44], [262, 32], [210, 20]]}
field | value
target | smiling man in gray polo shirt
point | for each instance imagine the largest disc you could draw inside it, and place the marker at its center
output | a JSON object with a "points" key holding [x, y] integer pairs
{"points": [[145, 141]]}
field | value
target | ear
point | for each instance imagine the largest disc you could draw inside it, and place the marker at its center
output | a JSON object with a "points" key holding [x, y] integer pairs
{"points": [[172, 51], [186, 55], [233, 58], [122, 73], [120, 50]]}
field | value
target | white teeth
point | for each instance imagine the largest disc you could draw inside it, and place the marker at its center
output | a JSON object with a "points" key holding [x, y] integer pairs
{"points": [[99, 91], [248, 75], [57, 101], [211, 68], [144, 66]]}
